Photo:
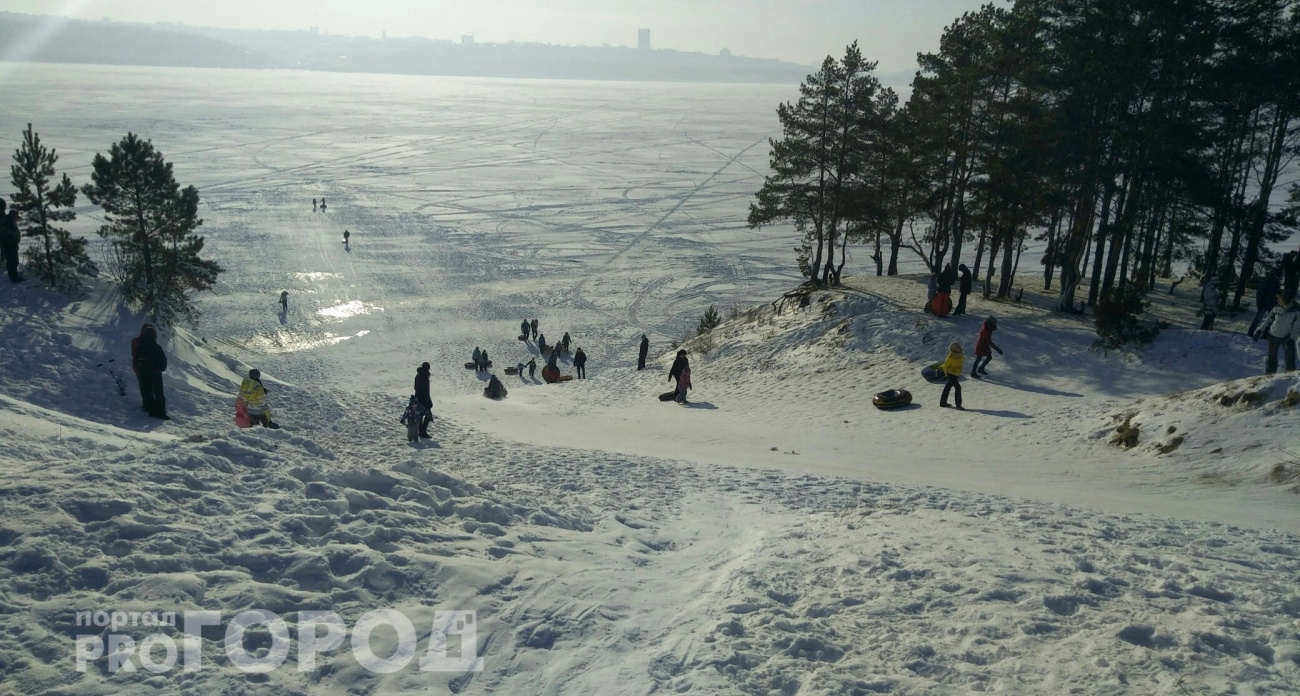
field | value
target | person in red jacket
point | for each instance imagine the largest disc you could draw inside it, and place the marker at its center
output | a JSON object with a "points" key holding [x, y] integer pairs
{"points": [[984, 347]]}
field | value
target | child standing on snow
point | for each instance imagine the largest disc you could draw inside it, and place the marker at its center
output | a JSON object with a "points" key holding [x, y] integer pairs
{"points": [[984, 347], [532, 369], [952, 368], [683, 384], [412, 418]]}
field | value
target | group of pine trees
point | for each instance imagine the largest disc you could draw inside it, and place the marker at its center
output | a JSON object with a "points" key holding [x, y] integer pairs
{"points": [[151, 248], [1124, 135]]}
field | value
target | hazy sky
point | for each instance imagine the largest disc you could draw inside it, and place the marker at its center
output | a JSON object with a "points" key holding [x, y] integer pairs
{"points": [[890, 31]]}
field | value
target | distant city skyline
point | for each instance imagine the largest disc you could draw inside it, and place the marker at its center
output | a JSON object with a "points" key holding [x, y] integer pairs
{"points": [[802, 31]]}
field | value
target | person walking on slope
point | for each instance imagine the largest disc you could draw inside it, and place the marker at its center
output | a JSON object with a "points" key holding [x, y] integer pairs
{"points": [[411, 418], [150, 362], [984, 347], [683, 384], [253, 393], [680, 365], [10, 238], [943, 299], [313, 205], [423, 399], [580, 363], [533, 326], [1282, 328], [952, 368], [523, 330], [644, 351], [564, 342], [532, 369], [477, 358], [1209, 305], [1265, 301], [284, 301], [963, 288]]}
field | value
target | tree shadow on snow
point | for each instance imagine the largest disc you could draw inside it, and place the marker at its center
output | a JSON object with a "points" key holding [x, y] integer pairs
{"points": [[1029, 388], [999, 414]]}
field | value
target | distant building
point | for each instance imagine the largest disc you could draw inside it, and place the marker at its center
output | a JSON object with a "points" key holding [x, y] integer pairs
{"points": [[643, 39], [314, 30], [725, 52], [467, 39]]}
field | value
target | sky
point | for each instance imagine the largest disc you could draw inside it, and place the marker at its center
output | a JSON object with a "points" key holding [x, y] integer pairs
{"points": [[803, 31]]}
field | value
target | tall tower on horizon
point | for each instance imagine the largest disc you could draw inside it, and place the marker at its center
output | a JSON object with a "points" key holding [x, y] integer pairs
{"points": [[643, 39]]}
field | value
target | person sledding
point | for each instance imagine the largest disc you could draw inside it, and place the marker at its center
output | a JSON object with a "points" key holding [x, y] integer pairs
{"points": [[495, 389], [253, 393], [413, 418], [984, 347], [952, 369]]}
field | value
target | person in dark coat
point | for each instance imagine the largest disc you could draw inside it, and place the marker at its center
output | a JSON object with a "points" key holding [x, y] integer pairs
{"points": [[149, 363], [964, 289], [533, 326], [10, 238], [495, 389], [678, 365], [580, 363], [645, 350], [423, 398], [532, 369], [943, 299], [1265, 300], [523, 329]]}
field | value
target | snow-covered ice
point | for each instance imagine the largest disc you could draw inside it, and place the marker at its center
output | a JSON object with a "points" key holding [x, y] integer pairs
{"points": [[776, 536]]}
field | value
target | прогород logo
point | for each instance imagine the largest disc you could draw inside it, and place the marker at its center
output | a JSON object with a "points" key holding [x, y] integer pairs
{"points": [[452, 645]]}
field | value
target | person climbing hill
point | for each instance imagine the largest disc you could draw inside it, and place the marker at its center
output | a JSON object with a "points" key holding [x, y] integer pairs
{"points": [[984, 347], [424, 399], [679, 363], [580, 363], [150, 362], [252, 391], [952, 368], [411, 418]]}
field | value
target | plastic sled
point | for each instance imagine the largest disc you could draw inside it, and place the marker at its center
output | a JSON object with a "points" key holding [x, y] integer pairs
{"points": [[934, 373]]}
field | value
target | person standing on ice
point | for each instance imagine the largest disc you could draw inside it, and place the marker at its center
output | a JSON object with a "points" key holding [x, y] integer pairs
{"points": [[533, 326], [952, 368], [252, 391], [1209, 305], [580, 363], [963, 288], [1265, 301], [644, 351], [322, 204], [150, 362], [1282, 329], [984, 347], [423, 398], [10, 238]]}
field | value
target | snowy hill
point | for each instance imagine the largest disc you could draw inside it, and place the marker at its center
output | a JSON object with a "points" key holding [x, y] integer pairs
{"points": [[597, 571]]}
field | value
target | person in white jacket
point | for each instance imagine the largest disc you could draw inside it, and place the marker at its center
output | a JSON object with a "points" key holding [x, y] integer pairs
{"points": [[1209, 305], [1282, 328]]}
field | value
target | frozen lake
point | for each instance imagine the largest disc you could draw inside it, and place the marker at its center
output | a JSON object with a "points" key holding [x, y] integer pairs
{"points": [[606, 209]]}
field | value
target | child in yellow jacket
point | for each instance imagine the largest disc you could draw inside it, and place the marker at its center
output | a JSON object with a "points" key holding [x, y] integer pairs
{"points": [[254, 396], [952, 368]]}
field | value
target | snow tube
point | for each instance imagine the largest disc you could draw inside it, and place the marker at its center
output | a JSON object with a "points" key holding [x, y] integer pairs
{"points": [[512, 370], [470, 365], [892, 398], [550, 374], [498, 397], [934, 373]]}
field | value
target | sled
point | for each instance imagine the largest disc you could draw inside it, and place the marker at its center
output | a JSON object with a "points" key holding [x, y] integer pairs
{"points": [[892, 398], [565, 378], [470, 365], [934, 373], [504, 392], [668, 396], [242, 418], [512, 370], [522, 338], [550, 374]]}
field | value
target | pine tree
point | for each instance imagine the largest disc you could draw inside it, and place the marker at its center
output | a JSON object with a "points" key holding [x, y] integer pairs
{"points": [[150, 222], [60, 258], [709, 321]]}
